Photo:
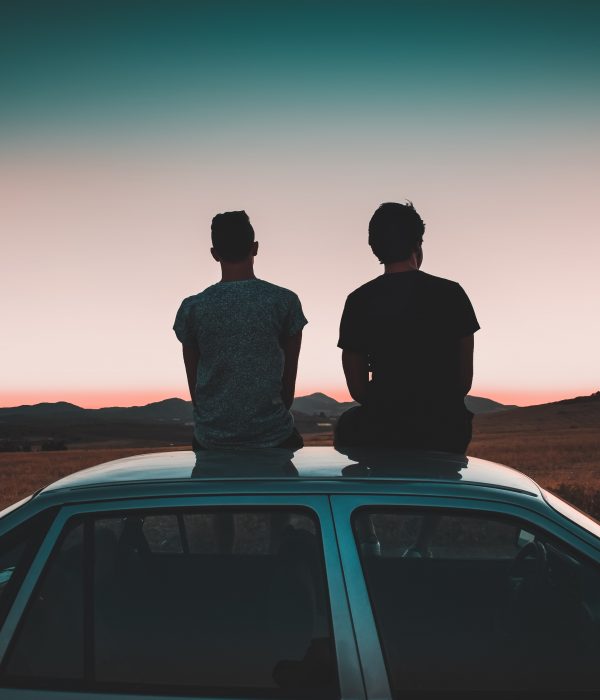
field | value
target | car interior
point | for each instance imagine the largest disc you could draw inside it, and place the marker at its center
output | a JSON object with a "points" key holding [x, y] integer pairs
{"points": [[188, 607], [466, 613]]}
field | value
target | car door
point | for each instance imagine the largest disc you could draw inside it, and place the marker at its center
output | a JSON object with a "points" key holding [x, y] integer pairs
{"points": [[468, 595], [221, 596]]}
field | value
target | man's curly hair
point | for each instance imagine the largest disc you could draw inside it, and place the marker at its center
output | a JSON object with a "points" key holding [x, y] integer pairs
{"points": [[395, 230]]}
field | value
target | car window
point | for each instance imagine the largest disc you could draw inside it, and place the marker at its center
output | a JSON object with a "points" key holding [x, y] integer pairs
{"points": [[50, 640], [17, 549], [212, 601], [478, 602]]}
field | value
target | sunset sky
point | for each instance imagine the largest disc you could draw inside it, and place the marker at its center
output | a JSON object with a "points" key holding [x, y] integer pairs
{"points": [[124, 127]]}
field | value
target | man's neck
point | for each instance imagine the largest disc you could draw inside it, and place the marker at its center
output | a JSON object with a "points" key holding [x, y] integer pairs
{"points": [[232, 272], [401, 266]]}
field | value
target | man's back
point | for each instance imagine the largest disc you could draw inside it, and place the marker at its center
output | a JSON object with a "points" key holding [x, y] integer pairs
{"points": [[409, 324], [237, 327], [413, 333]]}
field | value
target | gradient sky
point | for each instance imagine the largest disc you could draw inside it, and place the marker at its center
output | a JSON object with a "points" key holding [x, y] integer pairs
{"points": [[124, 127]]}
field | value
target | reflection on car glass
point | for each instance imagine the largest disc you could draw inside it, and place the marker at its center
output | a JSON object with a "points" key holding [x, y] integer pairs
{"points": [[264, 462], [5, 575], [403, 463]]}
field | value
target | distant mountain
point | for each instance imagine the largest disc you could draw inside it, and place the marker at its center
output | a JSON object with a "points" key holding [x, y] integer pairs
{"points": [[169, 409], [42, 409], [169, 422], [478, 404], [180, 410], [580, 412], [592, 399], [314, 404]]}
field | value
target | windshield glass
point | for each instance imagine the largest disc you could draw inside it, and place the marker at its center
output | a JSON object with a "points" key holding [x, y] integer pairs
{"points": [[577, 516]]}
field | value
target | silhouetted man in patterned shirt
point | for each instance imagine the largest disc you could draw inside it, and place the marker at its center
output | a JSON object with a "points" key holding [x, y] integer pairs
{"points": [[241, 340]]}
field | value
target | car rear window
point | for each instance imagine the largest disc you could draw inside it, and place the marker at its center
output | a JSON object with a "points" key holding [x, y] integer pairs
{"points": [[214, 602]]}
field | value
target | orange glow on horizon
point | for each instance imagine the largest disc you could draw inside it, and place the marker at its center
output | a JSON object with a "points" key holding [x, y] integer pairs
{"points": [[530, 397], [91, 398], [140, 397], [127, 397]]}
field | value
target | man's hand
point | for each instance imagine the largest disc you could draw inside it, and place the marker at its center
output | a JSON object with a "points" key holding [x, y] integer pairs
{"points": [[291, 350], [356, 369], [190, 359], [467, 345]]}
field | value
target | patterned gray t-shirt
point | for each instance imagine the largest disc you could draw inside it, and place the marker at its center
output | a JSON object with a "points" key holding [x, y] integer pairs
{"points": [[236, 327]]}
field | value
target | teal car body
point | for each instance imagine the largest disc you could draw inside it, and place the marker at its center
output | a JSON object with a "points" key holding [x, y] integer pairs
{"points": [[357, 574]]}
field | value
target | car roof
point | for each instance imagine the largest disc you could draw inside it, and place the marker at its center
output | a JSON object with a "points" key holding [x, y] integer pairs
{"points": [[337, 468]]}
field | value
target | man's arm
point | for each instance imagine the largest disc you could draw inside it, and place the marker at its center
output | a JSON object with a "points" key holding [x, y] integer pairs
{"points": [[356, 369], [291, 350], [467, 345], [190, 359]]}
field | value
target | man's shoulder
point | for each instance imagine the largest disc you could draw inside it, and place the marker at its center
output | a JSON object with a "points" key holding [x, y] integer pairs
{"points": [[387, 284], [365, 289], [194, 299], [274, 290], [435, 282], [215, 292]]}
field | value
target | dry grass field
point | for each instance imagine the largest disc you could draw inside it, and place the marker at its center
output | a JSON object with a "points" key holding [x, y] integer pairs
{"points": [[563, 463], [22, 473], [558, 461], [557, 444]]}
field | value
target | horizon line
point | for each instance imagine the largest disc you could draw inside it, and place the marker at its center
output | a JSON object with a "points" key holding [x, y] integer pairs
{"points": [[98, 400]]}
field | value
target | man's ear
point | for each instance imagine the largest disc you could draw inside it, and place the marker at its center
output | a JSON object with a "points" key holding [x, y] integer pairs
{"points": [[419, 255], [254, 249], [215, 255]]}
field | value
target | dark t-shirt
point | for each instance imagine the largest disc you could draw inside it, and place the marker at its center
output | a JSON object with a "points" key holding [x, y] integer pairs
{"points": [[409, 324]]}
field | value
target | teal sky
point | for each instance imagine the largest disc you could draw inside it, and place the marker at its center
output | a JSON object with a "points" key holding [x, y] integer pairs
{"points": [[93, 65], [125, 126]]}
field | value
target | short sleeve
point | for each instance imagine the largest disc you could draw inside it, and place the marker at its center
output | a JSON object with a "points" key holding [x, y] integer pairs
{"points": [[295, 319], [183, 325], [464, 319], [353, 331]]}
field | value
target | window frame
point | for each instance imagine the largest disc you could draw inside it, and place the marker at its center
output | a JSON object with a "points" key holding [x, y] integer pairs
{"points": [[350, 681], [24, 581], [345, 507], [32, 532]]}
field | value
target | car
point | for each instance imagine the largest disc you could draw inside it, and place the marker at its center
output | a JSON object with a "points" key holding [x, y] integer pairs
{"points": [[322, 573]]}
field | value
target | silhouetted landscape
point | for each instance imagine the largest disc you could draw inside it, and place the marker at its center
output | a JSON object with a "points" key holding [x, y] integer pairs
{"points": [[163, 423], [557, 443]]}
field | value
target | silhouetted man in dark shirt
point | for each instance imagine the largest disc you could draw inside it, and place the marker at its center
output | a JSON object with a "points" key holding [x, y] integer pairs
{"points": [[414, 333]]}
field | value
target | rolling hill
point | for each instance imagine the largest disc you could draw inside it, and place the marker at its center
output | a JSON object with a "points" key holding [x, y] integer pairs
{"points": [[159, 423]]}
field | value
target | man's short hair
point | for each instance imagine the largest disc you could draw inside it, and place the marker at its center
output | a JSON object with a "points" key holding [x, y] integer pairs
{"points": [[232, 235], [395, 230]]}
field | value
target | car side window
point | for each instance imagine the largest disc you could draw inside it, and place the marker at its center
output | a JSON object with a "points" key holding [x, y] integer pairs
{"points": [[215, 601], [17, 549], [477, 602], [50, 639]]}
